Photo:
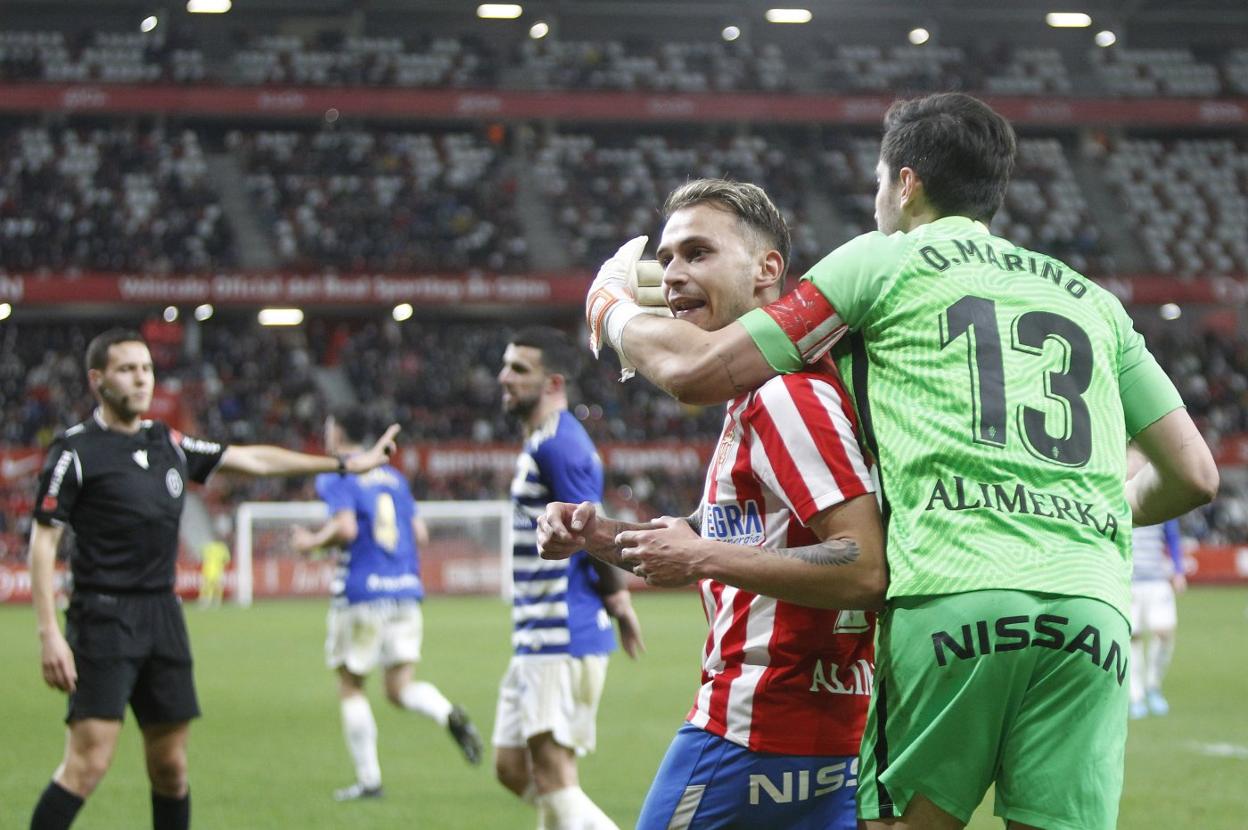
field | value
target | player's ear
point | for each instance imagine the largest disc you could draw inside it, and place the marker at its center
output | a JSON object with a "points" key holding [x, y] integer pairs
{"points": [[556, 382], [93, 379], [912, 190], [770, 272]]}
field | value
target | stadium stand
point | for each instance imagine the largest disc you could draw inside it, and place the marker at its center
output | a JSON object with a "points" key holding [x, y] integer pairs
{"points": [[1188, 198], [111, 198], [1155, 72], [603, 189], [427, 200]]}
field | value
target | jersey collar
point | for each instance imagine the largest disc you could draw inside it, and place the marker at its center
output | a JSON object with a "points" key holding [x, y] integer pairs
{"points": [[961, 222]]}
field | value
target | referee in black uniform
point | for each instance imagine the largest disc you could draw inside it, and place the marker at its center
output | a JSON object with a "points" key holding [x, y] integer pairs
{"points": [[118, 481]]}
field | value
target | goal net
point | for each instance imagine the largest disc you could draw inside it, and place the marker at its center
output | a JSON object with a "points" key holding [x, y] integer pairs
{"points": [[469, 550]]}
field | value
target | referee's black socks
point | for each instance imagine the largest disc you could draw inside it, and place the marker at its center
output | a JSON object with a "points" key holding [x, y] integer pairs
{"points": [[171, 813], [56, 808]]}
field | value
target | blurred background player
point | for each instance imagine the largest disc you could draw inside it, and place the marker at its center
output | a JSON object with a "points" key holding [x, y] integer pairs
{"points": [[119, 481], [1156, 576], [213, 557], [548, 699], [790, 532], [375, 615]]}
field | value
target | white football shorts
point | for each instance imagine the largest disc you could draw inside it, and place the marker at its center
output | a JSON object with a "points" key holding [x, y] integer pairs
{"points": [[368, 634], [553, 693], [1152, 606]]}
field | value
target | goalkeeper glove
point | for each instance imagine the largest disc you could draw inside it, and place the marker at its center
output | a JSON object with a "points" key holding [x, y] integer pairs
{"points": [[611, 303]]}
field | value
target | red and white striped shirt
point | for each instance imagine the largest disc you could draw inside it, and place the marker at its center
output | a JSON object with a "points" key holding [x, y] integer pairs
{"points": [[779, 677]]}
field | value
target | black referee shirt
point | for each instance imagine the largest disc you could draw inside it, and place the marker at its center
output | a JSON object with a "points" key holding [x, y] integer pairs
{"points": [[122, 494]]}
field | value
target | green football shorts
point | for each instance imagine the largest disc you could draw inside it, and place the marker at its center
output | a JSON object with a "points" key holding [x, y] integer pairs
{"points": [[1028, 690]]}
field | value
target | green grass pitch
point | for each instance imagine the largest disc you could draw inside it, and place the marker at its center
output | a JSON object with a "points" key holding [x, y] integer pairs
{"points": [[268, 750]]}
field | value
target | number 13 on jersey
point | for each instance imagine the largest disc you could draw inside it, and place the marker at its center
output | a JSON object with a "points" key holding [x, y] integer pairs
{"points": [[1064, 439]]}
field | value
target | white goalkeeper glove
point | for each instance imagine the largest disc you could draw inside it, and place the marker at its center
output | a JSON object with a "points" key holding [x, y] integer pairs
{"points": [[613, 299]]}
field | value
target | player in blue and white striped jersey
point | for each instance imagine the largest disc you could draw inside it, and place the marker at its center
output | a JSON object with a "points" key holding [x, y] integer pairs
{"points": [[1156, 576], [562, 611]]}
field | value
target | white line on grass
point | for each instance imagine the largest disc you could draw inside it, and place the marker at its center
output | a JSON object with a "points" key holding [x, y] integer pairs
{"points": [[1222, 750]]}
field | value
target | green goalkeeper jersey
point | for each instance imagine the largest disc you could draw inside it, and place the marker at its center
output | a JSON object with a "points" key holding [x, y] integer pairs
{"points": [[997, 389]]}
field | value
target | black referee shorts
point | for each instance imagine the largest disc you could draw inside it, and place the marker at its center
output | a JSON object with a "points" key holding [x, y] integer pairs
{"points": [[130, 648]]}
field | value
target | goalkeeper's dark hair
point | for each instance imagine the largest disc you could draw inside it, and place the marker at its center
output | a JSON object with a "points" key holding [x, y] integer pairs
{"points": [[962, 150], [559, 355], [748, 202], [97, 349], [356, 424]]}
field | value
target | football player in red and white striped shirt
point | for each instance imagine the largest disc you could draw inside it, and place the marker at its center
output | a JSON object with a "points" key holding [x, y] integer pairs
{"points": [[789, 558]]}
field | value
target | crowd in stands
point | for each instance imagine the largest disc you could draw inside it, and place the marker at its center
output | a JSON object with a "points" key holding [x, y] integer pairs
{"points": [[335, 60], [602, 190], [356, 199], [150, 198], [624, 63], [1187, 199], [114, 198], [108, 57], [645, 66]]}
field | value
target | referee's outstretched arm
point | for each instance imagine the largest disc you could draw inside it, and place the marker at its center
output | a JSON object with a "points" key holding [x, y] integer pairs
{"points": [[267, 460]]}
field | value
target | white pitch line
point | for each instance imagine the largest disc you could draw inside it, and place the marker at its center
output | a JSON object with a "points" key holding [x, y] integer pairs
{"points": [[1222, 750]]}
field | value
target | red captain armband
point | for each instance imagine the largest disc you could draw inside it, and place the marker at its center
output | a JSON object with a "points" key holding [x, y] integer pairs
{"points": [[808, 320]]}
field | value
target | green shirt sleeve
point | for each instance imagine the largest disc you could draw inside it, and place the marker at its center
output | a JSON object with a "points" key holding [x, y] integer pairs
{"points": [[1147, 393], [851, 278], [858, 273]]}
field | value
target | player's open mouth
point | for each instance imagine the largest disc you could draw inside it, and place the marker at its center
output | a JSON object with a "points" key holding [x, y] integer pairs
{"points": [[681, 306]]}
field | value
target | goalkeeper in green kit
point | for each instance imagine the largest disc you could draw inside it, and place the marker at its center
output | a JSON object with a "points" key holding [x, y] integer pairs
{"points": [[997, 389]]}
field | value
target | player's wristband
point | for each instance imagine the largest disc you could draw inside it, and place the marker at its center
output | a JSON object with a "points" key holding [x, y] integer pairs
{"points": [[617, 317]]}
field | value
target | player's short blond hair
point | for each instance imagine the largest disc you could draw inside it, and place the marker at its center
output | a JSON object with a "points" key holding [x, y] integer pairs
{"points": [[748, 202]]}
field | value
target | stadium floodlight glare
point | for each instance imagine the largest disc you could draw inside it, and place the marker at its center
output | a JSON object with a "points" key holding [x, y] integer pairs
{"points": [[919, 36], [280, 316], [402, 311], [1105, 38], [6, 309], [204, 312], [499, 11], [150, 22], [788, 15], [171, 314], [1068, 20], [731, 33], [1171, 311], [208, 6], [539, 30]]}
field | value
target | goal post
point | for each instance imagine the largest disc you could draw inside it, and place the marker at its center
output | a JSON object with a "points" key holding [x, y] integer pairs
{"points": [[469, 550]]}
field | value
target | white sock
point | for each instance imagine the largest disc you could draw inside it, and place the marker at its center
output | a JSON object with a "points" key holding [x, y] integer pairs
{"points": [[360, 730], [571, 809], [1138, 674], [425, 699], [1160, 650]]}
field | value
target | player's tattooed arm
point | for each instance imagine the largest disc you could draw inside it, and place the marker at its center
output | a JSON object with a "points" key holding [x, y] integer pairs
{"points": [[827, 552], [694, 520]]}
